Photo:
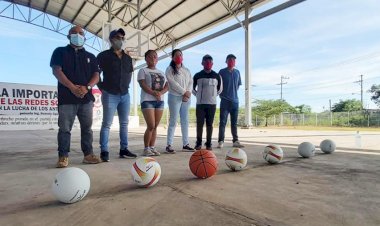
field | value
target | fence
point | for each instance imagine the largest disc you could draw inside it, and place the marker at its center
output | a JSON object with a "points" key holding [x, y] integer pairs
{"points": [[343, 119]]}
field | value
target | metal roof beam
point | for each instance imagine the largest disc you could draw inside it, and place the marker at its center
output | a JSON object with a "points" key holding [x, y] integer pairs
{"points": [[80, 9], [62, 8], [46, 5], [252, 3], [142, 11], [252, 19], [186, 18], [257, 17], [164, 14], [95, 14], [112, 17]]}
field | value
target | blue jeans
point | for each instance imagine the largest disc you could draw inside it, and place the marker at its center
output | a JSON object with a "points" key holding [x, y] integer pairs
{"points": [[66, 117], [111, 103], [176, 106], [228, 107]]}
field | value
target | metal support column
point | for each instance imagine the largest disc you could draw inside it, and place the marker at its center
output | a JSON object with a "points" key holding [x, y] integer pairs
{"points": [[134, 83], [139, 26], [139, 53], [248, 103], [109, 11]]}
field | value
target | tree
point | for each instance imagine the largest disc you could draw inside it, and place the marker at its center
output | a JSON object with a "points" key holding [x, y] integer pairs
{"points": [[268, 108], [303, 108], [375, 91], [347, 105]]}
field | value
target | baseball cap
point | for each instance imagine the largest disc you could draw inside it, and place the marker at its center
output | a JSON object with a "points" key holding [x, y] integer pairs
{"points": [[114, 33]]}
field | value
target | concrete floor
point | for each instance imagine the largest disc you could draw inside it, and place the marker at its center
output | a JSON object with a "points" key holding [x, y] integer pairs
{"points": [[338, 189]]}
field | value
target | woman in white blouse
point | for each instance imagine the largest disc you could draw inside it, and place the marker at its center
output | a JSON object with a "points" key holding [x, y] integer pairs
{"points": [[180, 86]]}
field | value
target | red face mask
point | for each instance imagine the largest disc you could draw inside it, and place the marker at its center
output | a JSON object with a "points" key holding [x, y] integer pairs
{"points": [[207, 65], [231, 63], [178, 60]]}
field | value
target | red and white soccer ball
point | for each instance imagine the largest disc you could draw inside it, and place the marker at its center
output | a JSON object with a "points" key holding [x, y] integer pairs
{"points": [[236, 159], [273, 154], [146, 172]]}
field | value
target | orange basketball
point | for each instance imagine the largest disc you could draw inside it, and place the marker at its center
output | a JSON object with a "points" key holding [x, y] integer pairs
{"points": [[203, 164]]}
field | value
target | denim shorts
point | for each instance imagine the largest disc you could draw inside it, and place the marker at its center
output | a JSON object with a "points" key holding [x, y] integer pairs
{"points": [[152, 105]]}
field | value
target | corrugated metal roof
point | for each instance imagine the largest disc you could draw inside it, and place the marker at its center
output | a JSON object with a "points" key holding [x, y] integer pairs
{"points": [[162, 22]]}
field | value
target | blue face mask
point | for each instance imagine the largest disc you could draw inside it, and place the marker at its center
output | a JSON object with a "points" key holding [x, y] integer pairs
{"points": [[77, 40]]}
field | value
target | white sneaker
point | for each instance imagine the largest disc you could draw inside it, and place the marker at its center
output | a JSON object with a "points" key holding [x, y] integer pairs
{"points": [[154, 151], [237, 145], [148, 152], [220, 144]]}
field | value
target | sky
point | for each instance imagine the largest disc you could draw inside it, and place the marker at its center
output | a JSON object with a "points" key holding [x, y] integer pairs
{"points": [[322, 46]]}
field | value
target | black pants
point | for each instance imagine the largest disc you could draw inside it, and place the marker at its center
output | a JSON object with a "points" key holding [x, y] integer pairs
{"points": [[205, 112]]}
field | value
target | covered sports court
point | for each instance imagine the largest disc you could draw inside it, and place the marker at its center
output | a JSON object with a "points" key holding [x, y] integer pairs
{"points": [[337, 189], [161, 25]]}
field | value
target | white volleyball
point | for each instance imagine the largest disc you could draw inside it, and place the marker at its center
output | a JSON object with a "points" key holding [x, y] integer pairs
{"points": [[273, 154], [236, 159], [71, 185], [327, 146], [306, 149], [146, 171]]}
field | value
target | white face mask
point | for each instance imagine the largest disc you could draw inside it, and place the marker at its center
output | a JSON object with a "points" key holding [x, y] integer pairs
{"points": [[77, 40]]}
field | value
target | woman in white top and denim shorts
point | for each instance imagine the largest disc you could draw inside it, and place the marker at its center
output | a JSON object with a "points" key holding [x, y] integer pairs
{"points": [[180, 86], [153, 87]]}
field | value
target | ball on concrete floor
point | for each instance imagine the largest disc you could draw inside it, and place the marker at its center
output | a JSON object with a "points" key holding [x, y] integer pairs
{"points": [[71, 185], [203, 164], [327, 146], [236, 159], [273, 154], [306, 149], [146, 171]]}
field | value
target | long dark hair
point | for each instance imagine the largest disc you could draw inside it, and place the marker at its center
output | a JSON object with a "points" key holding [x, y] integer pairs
{"points": [[172, 63]]}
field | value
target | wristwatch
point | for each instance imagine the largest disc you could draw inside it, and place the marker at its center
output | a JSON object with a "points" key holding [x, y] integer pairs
{"points": [[89, 87]]}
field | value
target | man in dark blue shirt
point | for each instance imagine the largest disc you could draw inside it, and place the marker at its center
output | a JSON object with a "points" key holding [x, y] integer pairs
{"points": [[77, 72], [117, 73], [229, 103]]}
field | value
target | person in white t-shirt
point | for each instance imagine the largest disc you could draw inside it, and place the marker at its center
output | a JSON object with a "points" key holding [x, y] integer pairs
{"points": [[153, 87]]}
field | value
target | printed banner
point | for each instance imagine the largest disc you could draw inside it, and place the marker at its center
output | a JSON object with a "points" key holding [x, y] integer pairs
{"points": [[31, 107]]}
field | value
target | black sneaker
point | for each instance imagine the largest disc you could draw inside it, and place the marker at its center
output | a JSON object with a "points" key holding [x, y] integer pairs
{"points": [[187, 148], [126, 154], [170, 150], [104, 156], [208, 146], [198, 147]]}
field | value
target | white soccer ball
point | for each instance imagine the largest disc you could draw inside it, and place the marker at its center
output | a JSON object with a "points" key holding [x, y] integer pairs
{"points": [[71, 185], [306, 149], [327, 146], [146, 171], [236, 159], [273, 154]]}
